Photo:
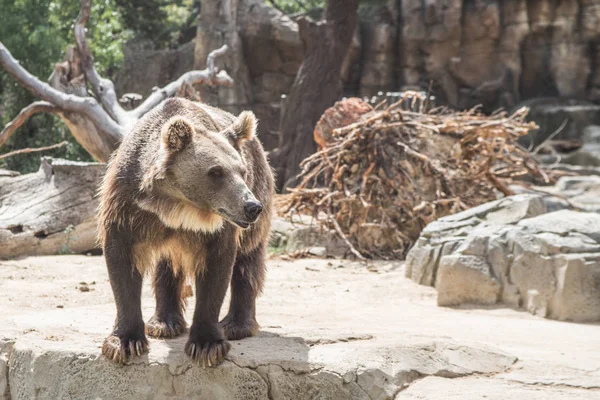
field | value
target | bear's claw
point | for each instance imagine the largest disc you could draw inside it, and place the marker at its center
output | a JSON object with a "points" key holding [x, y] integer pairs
{"points": [[122, 350], [208, 354], [165, 329], [236, 329]]}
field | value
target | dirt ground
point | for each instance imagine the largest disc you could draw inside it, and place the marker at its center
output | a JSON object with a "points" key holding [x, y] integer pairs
{"points": [[345, 312]]}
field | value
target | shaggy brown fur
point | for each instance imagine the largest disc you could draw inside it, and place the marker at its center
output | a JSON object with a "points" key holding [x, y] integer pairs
{"points": [[182, 198]]}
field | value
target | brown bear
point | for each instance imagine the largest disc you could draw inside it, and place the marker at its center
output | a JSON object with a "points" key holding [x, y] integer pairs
{"points": [[188, 194]]}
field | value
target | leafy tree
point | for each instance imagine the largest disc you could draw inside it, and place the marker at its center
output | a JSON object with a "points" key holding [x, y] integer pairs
{"points": [[166, 23], [310, 7]]}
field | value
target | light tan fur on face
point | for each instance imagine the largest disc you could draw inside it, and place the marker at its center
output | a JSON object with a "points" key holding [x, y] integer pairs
{"points": [[181, 215]]}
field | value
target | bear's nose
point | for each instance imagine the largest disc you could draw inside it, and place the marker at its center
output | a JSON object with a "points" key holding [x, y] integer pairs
{"points": [[252, 210]]}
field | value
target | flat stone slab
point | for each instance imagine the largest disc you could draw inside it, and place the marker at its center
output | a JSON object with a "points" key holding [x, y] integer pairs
{"points": [[330, 330]]}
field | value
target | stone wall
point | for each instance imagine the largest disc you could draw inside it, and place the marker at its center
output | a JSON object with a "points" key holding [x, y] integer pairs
{"points": [[145, 68], [492, 52]]}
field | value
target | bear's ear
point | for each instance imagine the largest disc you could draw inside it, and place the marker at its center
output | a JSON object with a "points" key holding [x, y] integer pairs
{"points": [[244, 128], [176, 134]]}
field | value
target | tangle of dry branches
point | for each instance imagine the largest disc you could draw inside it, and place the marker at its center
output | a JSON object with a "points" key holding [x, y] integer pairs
{"points": [[385, 177]]}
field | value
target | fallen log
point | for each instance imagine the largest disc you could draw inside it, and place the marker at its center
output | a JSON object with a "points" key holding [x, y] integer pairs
{"points": [[51, 211]]}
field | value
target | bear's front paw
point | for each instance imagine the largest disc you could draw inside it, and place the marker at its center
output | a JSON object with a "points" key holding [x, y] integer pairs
{"points": [[237, 328], [165, 329], [209, 354], [121, 350]]}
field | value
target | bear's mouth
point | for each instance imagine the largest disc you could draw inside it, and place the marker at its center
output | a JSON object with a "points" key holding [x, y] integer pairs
{"points": [[241, 224]]}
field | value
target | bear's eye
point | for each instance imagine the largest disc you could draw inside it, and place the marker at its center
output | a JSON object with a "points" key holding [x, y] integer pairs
{"points": [[216, 172]]}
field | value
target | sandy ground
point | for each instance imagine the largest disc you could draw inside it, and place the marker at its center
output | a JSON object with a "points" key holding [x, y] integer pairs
{"points": [[340, 310]]}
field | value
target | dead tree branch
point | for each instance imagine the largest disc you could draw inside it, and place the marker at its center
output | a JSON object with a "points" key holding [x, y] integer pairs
{"points": [[34, 150], [209, 76], [97, 122], [32, 109], [87, 106], [104, 89]]}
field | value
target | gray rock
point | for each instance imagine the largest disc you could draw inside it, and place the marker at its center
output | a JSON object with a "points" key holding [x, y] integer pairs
{"points": [[586, 156], [591, 134], [582, 192], [466, 279], [305, 235], [512, 252], [550, 114], [5, 351]]}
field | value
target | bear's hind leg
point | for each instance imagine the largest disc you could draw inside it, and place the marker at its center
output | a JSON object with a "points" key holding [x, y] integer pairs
{"points": [[246, 285], [168, 320], [127, 338]]}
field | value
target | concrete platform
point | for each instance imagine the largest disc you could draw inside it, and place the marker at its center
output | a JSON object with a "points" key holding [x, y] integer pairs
{"points": [[330, 330]]}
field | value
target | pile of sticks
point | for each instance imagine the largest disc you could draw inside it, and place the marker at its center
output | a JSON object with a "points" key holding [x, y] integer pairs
{"points": [[379, 181]]}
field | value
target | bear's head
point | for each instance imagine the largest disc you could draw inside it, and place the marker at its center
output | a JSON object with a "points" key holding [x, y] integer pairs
{"points": [[203, 175]]}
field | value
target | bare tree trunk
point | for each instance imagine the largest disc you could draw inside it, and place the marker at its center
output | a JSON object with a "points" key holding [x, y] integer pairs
{"points": [[97, 122], [317, 85]]}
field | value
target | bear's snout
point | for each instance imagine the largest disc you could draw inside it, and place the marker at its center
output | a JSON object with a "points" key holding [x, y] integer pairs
{"points": [[252, 209]]}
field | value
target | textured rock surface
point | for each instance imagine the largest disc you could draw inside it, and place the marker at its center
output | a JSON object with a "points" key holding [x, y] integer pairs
{"points": [[582, 192], [496, 53], [511, 251], [302, 234], [550, 115], [144, 67], [6, 172], [437, 388], [330, 329]]}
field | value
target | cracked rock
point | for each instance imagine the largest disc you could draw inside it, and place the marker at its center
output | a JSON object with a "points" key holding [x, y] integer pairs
{"points": [[512, 251]]}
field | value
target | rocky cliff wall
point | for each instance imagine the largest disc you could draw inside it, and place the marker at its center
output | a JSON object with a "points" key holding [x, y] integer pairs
{"points": [[497, 53]]}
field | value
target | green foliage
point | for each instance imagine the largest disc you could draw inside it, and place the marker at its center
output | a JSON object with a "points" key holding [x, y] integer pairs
{"points": [[299, 6], [64, 248], [37, 32], [313, 8], [166, 23]]}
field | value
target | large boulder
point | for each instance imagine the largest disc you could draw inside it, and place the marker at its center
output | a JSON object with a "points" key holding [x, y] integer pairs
{"points": [[511, 251]]}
